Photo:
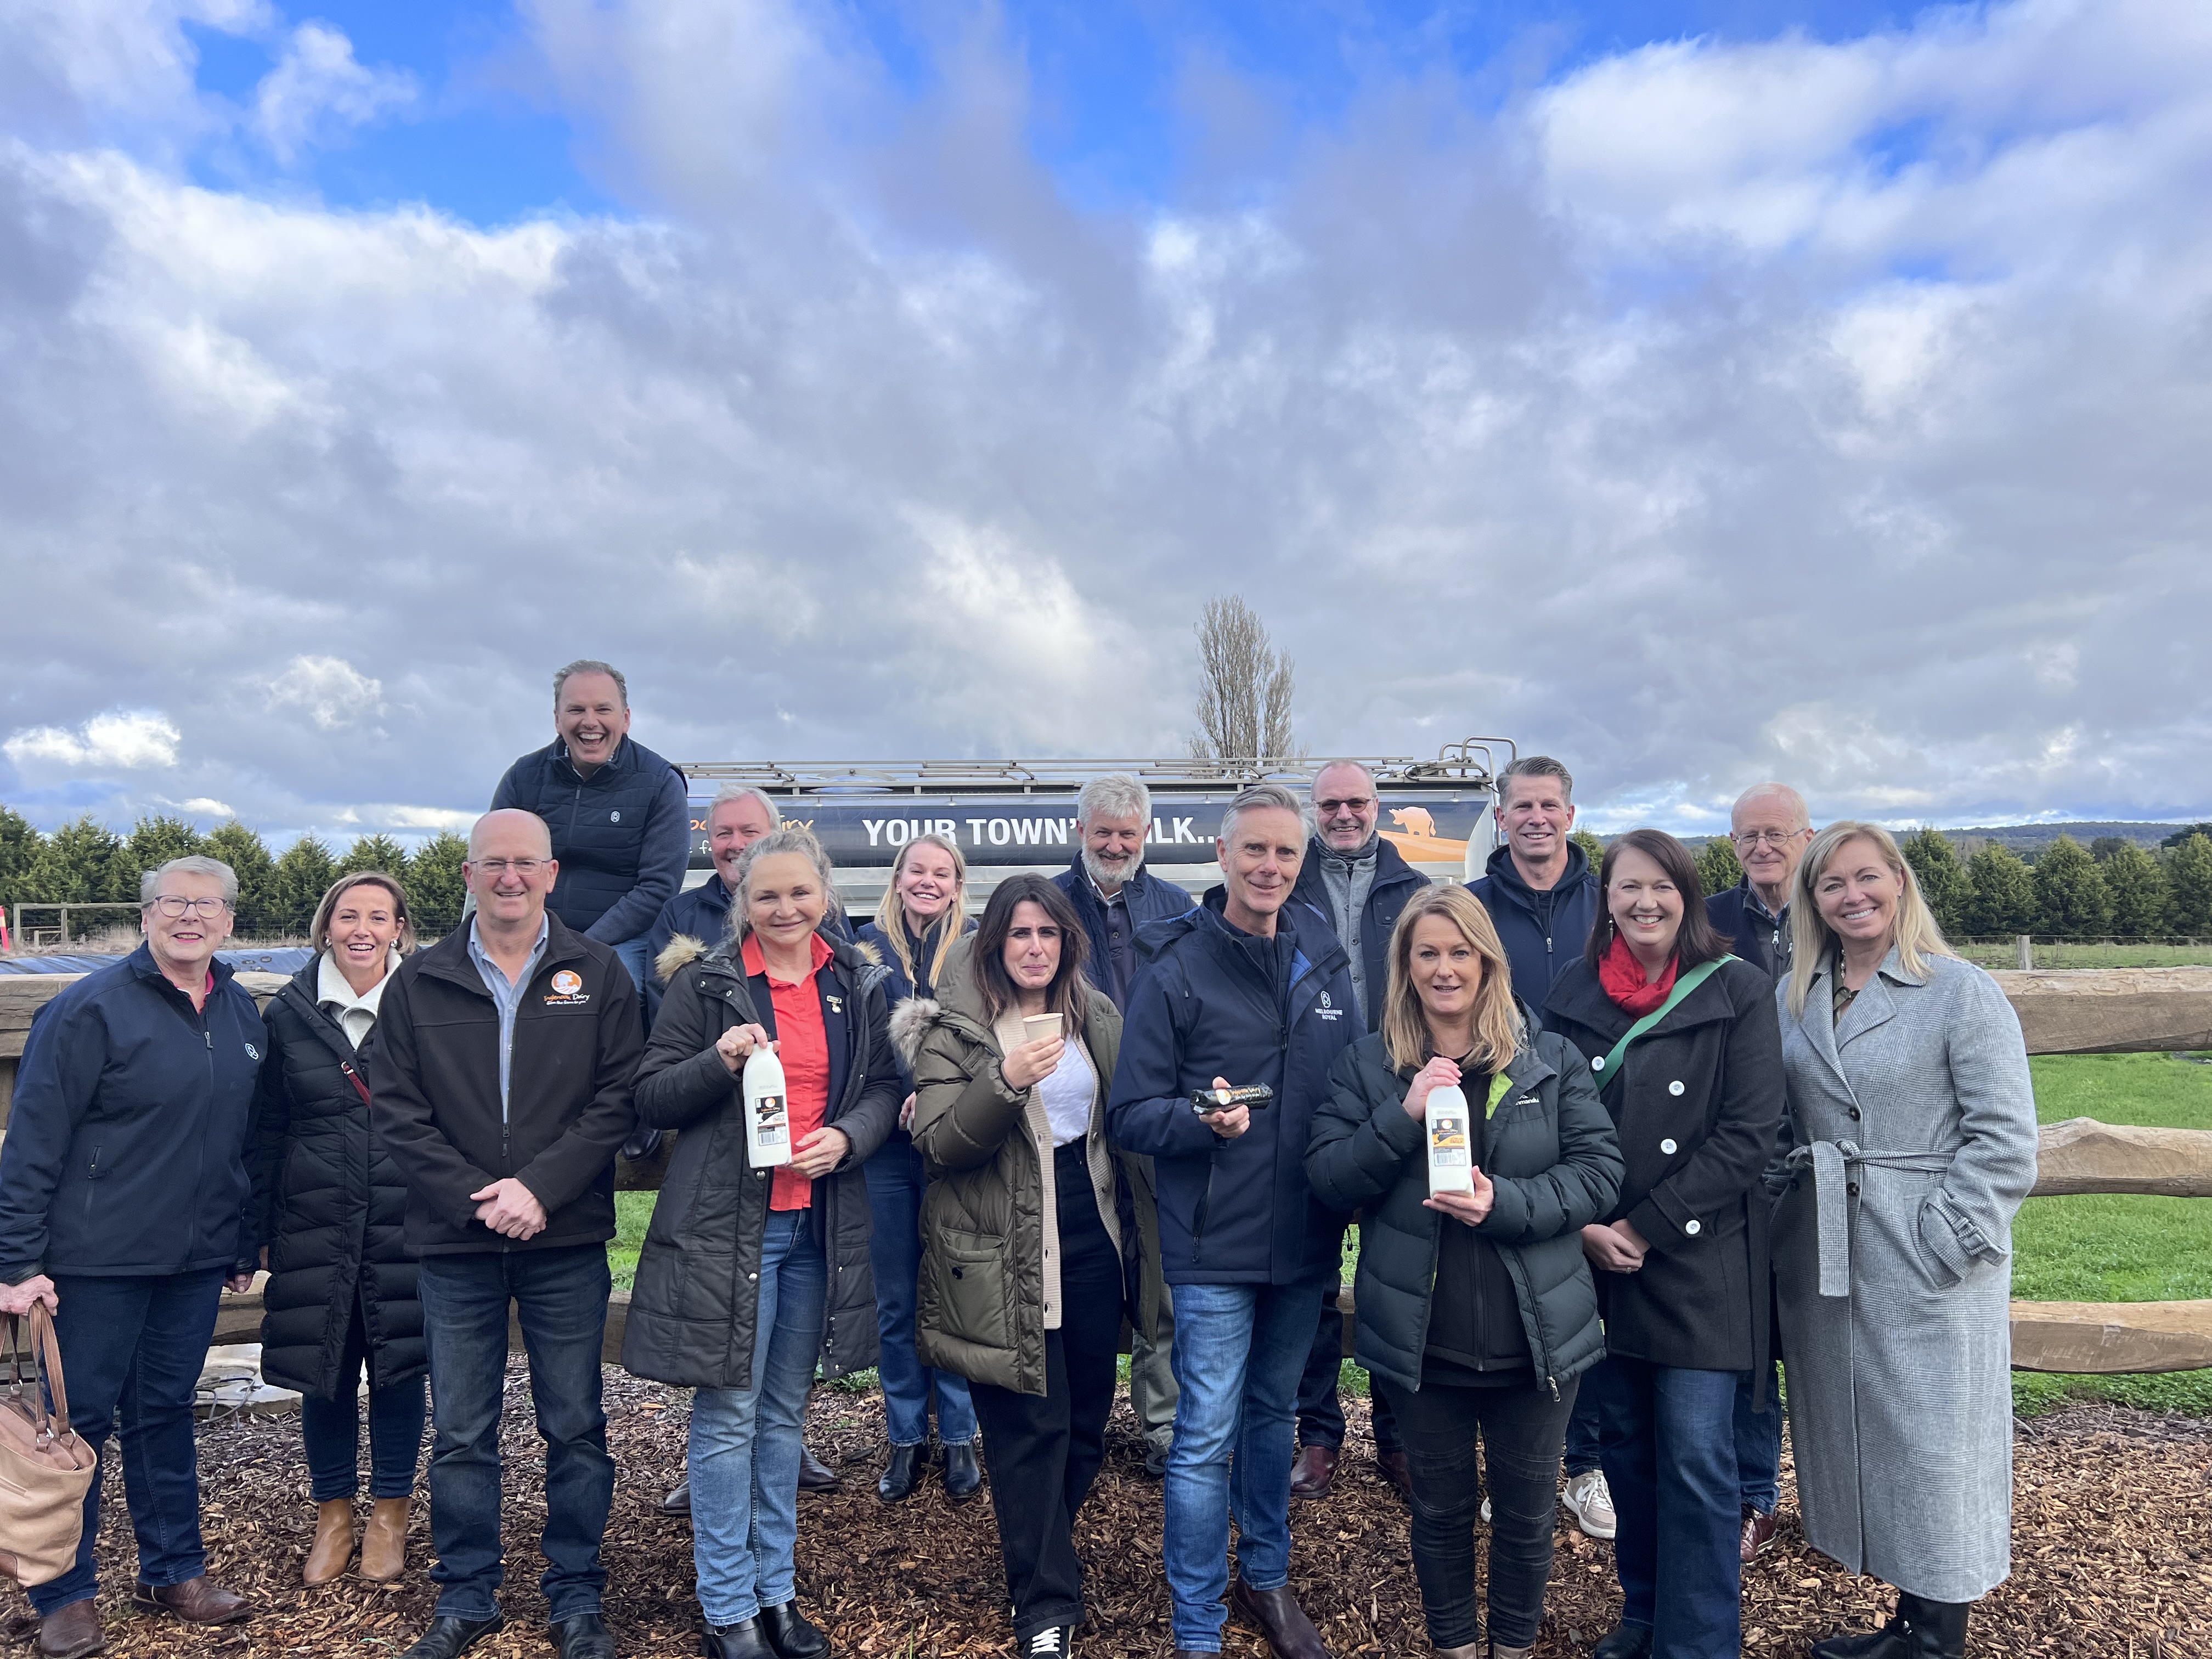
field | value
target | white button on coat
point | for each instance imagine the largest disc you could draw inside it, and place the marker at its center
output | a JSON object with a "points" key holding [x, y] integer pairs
{"points": [[1597, 1063], [1676, 1087], [1667, 1147], [1693, 1228]]}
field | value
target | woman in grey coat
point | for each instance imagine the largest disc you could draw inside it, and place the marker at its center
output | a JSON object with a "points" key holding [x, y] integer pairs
{"points": [[1913, 1121]]}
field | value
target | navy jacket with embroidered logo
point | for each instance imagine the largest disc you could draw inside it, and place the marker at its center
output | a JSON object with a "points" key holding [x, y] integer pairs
{"points": [[1544, 933], [126, 1144], [1396, 884], [1211, 1001], [432, 1075], [622, 836]]}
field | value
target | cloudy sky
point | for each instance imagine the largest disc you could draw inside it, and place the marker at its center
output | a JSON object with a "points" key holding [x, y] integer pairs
{"points": [[1698, 391]]}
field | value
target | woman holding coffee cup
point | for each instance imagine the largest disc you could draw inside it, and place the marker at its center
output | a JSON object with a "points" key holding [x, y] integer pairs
{"points": [[1021, 1285]]}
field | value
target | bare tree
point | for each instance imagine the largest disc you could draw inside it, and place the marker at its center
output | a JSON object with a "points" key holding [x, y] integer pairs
{"points": [[1244, 703]]}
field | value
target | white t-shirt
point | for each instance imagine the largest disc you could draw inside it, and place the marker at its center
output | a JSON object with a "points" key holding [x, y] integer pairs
{"points": [[1069, 1093]]}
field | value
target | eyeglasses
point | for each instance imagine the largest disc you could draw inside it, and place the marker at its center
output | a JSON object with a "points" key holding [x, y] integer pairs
{"points": [[178, 909], [524, 867], [1775, 838], [1349, 804]]}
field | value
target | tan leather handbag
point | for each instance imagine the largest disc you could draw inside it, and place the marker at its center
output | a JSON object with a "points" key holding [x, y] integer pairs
{"points": [[45, 1468]]}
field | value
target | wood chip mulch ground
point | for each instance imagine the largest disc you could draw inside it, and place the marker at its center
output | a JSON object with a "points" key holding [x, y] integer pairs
{"points": [[2113, 1554]]}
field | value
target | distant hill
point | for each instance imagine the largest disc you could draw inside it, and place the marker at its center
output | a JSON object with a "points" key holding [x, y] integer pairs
{"points": [[2029, 839]]}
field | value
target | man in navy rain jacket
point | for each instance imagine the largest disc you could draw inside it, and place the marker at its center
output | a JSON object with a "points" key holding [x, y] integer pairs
{"points": [[620, 816], [1247, 988], [1360, 882], [122, 1192]]}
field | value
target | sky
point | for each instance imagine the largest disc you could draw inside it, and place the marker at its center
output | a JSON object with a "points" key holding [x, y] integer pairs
{"points": [[1700, 392]]}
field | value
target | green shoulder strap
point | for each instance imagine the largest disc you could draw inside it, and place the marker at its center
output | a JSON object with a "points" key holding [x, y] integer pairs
{"points": [[1609, 1067]]}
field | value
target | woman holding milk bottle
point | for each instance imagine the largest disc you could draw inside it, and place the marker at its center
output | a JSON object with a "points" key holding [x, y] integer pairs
{"points": [[1478, 1151], [771, 1056]]}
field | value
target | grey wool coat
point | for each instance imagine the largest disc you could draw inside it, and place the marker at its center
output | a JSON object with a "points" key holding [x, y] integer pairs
{"points": [[1913, 1124]]}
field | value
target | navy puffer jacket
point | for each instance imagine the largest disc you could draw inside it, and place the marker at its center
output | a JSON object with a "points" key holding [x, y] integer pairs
{"points": [[622, 836], [1211, 1000]]}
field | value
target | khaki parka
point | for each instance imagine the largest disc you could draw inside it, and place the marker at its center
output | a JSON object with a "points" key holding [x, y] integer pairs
{"points": [[980, 1302]]}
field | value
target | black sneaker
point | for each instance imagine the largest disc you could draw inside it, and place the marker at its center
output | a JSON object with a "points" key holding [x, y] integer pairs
{"points": [[1055, 1641]]}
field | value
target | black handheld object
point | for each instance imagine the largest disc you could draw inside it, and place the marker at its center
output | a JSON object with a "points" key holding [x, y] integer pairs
{"points": [[1207, 1102]]}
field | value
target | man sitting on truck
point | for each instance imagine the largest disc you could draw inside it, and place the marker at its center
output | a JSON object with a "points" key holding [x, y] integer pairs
{"points": [[1115, 896]]}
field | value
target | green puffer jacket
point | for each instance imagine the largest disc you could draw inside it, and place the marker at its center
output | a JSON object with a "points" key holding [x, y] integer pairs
{"points": [[980, 1301], [1554, 1161]]}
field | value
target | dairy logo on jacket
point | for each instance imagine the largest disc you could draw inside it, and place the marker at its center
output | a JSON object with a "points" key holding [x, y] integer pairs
{"points": [[568, 990]]}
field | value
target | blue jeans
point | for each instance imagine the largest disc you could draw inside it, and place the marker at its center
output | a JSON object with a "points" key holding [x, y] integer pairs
{"points": [[1581, 1435], [632, 954], [1668, 1443], [1238, 1352], [1758, 1446], [331, 1428], [560, 1297], [895, 1188], [743, 1458], [134, 1348]]}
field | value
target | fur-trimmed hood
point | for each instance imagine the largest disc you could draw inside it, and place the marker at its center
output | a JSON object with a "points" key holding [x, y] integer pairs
{"points": [[910, 1023]]}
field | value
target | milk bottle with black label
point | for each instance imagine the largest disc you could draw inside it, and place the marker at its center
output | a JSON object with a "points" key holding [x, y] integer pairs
{"points": [[1451, 1159], [768, 1111]]}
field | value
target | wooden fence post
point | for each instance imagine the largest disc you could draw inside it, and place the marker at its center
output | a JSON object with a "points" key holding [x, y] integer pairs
{"points": [[2026, 953]]}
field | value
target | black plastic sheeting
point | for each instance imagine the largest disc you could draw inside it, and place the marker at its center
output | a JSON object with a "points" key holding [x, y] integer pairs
{"points": [[245, 962]]}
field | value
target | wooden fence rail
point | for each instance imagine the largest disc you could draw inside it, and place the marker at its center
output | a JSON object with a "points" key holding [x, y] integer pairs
{"points": [[2088, 1010]]}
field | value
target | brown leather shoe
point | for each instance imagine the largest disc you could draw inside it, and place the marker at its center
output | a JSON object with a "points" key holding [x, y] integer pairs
{"points": [[331, 1554], [384, 1540], [1393, 1467], [199, 1600], [1759, 1532], [71, 1632], [1312, 1470], [1290, 1633]]}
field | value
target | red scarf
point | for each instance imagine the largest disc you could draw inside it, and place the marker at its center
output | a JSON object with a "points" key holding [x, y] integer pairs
{"points": [[1622, 977]]}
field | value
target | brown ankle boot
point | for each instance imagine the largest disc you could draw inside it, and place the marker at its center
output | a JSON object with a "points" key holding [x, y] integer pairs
{"points": [[332, 1552], [384, 1540]]}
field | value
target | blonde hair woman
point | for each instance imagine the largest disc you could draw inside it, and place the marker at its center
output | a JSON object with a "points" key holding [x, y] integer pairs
{"points": [[1913, 1120], [341, 1296], [924, 916], [1477, 1313]]}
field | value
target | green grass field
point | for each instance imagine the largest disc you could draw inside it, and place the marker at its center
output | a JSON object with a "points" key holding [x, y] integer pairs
{"points": [[2066, 1249], [2049, 956]]}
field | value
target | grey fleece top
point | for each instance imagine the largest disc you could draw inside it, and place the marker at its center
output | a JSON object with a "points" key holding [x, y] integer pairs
{"points": [[1349, 878]]}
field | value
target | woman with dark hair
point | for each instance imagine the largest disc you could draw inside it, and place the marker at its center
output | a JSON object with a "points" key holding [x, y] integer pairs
{"points": [[924, 916], [1687, 1049], [332, 1210], [1021, 1288], [1477, 1313]]}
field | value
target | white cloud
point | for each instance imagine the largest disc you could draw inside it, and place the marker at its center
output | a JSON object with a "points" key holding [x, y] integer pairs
{"points": [[332, 690], [200, 807], [127, 740], [319, 90]]}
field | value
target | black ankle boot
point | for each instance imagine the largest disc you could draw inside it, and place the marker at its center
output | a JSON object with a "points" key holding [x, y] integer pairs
{"points": [[1938, 1629], [902, 1475], [744, 1640], [790, 1635], [963, 1478], [1890, 1642]]}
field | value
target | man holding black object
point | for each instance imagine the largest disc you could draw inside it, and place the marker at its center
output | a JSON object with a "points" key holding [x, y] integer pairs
{"points": [[1248, 988]]}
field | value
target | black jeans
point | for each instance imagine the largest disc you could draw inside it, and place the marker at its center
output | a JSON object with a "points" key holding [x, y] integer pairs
{"points": [[1321, 1414], [1521, 1430], [1044, 1450], [331, 1429]]}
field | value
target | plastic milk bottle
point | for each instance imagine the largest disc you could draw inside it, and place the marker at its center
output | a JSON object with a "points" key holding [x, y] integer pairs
{"points": [[768, 1113], [1451, 1160]]}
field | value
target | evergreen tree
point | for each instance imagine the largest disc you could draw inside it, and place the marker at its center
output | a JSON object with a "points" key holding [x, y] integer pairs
{"points": [[2137, 885], [435, 893], [243, 851], [2103, 847], [73, 866], [2188, 889], [374, 853], [2071, 900], [152, 843], [1717, 867], [2180, 837], [1593, 848], [1942, 879], [301, 876], [2002, 899], [19, 849]]}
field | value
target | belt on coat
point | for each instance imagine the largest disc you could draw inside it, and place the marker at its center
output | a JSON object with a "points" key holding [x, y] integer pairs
{"points": [[1829, 1159]]}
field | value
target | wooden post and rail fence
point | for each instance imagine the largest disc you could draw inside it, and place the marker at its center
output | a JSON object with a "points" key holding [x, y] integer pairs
{"points": [[2083, 1011]]}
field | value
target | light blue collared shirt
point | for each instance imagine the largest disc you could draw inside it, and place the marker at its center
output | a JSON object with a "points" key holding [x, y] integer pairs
{"points": [[508, 996]]}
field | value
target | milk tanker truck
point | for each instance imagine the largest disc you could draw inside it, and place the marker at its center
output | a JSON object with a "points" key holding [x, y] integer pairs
{"points": [[1010, 815]]}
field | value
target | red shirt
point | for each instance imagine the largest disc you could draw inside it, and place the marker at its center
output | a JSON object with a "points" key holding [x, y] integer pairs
{"points": [[802, 1046]]}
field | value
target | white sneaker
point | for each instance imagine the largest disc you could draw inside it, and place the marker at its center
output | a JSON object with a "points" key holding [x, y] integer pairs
{"points": [[1589, 1500]]}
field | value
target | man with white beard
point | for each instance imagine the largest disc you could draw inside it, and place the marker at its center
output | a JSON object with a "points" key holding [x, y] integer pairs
{"points": [[1115, 896]]}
